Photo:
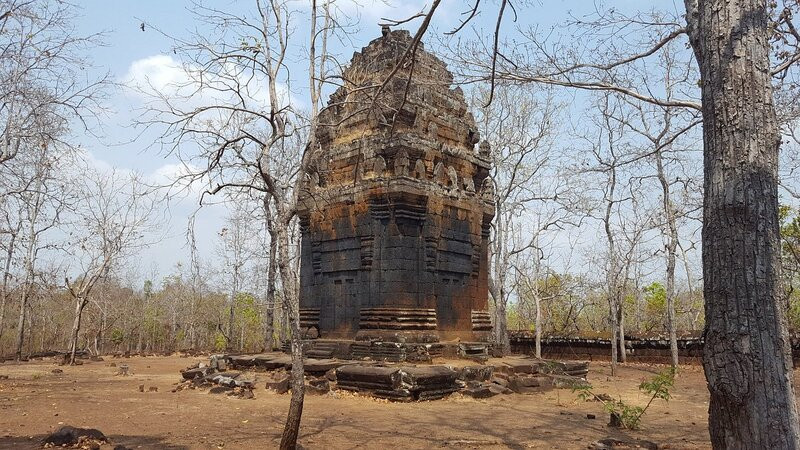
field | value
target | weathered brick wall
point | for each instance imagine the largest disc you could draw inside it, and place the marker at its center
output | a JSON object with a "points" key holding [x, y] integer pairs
{"points": [[395, 217]]}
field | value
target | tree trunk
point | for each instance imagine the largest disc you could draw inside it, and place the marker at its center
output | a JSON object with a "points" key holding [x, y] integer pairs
{"points": [[538, 324], [621, 329], [80, 303], [747, 357], [501, 341], [672, 249], [6, 275], [272, 267], [291, 305], [23, 304], [614, 329], [231, 310]]}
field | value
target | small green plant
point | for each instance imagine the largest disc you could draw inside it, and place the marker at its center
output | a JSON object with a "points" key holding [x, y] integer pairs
{"points": [[219, 341], [628, 416]]}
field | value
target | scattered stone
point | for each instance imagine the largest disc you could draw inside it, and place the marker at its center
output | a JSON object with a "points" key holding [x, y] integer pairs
{"points": [[497, 389], [568, 382], [220, 390], [501, 381], [218, 362], [475, 373], [591, 416], [280, 384], [479, 391], [331, 375], [617, 444], [319, 386], [247, 394], [152, 389], [398, 383], [3, 377], [113, 364], [57, 371], [526, 384], [141, 388], [67, 435], [192, 373]]}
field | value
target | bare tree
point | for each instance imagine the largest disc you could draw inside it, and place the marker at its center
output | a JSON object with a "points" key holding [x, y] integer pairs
{"points": [[236, 250], [44, 198], [112, 220], [251, 137], [43, 74], [520, 130], [747, 357]]}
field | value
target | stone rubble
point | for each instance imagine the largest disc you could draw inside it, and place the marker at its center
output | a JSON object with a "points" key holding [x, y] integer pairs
{"points": [[238, 375]]}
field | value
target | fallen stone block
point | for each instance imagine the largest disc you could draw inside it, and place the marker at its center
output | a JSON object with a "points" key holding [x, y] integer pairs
{"points": [[320, 366], [281, 386], [67, 435], [497, 389], [526, 384], [500, 381], [318, 386], [568, 382], [190, 374], [475, 373], [480, 391]]}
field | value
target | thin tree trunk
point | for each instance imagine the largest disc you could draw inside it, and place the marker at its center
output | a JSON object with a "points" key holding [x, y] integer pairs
{"points": [[76, 327], [4, 294], [538, 324], [747, 357], [621, 333], [23, 303], [672, 248], [231, 315], [613, 316], [272, 267], [290, 299]]}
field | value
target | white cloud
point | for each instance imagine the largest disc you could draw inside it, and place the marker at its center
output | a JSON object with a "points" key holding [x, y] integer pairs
{"points": [[162, 77]]}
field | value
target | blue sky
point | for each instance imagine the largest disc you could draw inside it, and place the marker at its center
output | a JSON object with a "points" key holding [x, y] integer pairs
{"points": [[128, 47]]}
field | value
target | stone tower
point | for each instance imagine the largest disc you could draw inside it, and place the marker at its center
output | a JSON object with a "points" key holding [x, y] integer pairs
{"points": [[395, 213]]}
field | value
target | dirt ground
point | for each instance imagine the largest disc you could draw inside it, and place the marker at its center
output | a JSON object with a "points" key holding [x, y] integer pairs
{"points": [[34, 401]]}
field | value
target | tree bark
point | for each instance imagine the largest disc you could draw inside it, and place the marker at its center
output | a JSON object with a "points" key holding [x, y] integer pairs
{"points": [[672, 249], [290, 298], [6, 275], [538, 323], [612, 314], [747, 358], [80, 303], [272, 266], [621, 328]]}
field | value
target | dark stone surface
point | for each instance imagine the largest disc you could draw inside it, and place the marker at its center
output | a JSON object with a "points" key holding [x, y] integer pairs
{"points": [[395, 216], [68, 435]]}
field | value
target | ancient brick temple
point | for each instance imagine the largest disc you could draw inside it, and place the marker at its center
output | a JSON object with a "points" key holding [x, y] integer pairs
{"points": [[395, 214]]}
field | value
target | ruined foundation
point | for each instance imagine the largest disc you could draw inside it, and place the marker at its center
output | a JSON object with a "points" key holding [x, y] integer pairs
{"points": [[395, 214]]}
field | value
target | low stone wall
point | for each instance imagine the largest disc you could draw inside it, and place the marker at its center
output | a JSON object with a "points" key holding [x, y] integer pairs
{"points": [[644, 350]]}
